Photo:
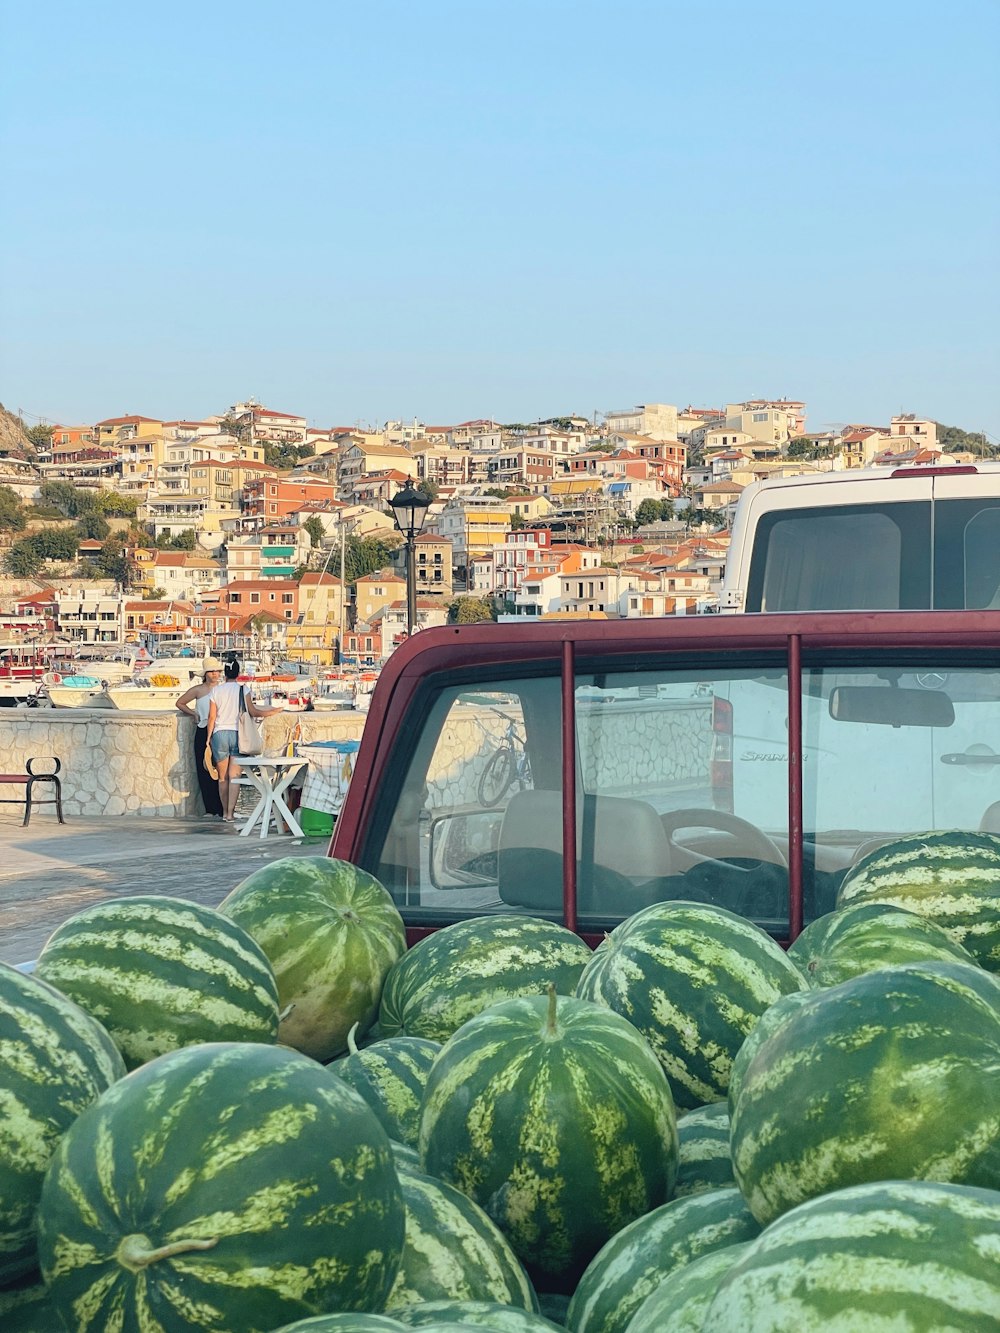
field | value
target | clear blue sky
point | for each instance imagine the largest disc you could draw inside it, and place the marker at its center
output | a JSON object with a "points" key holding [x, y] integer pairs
{"points": [[452, 209]]}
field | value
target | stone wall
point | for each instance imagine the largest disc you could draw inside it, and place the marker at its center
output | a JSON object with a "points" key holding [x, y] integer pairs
{"points": [[137, 763]]}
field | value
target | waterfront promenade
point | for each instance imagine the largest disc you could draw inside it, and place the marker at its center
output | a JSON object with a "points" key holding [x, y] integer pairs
{"points": [[49, 871]]}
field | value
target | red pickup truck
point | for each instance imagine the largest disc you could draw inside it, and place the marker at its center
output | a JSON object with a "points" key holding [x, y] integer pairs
{"points": [[746, 761]]}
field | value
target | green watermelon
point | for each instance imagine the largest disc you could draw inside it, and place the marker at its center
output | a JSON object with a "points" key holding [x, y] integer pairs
{"points": [[331, 933], [224, 1186], [681, 1301], [694, 979], [635, 1261], [555, 1116], [161, 973], [857, 939], [453, 1251], [951, 877], [703, 1161], [877, 1258], [404, 1155], [390, 1075], [352, 1322], [452, 975], [26, 1307], [56, 1061], [476, 1314], [768, 1023], [894, 1075]]}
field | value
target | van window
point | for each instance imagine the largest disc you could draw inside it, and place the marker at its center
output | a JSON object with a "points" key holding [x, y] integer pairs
{"points": [[982, 561], [854, 557]]}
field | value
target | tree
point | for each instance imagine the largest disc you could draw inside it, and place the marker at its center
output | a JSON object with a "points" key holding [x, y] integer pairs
{"points": [[40, 436], [60, 495], [649, 511], [114, 563], [952, 439], [55, 543], [93, 527], [801, 447], [364, 555], [428, 488], [285, 456], [314, 526], [110, 503], [154, 594], [22, 560], [183, 541], [11, 511], [517, 521], [470, 611]]}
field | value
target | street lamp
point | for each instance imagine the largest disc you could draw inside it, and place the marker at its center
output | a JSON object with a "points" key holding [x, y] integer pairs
{"points": [[409, 509]]}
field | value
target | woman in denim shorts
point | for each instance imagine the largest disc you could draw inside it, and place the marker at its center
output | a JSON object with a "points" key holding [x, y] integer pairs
{"points": [[223, 721]]}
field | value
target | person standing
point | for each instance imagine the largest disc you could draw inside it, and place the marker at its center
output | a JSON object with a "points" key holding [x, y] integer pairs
{"points": [[195, 703], [223, 732]]}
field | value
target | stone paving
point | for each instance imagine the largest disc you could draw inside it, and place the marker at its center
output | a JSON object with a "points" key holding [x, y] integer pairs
{"points": [[49, 871]]}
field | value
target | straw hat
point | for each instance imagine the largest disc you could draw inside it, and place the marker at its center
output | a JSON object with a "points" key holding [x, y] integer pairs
{"points": [[211, 664]]}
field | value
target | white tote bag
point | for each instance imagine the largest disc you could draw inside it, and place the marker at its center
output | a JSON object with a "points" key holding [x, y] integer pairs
{"points": [[249, 731]]}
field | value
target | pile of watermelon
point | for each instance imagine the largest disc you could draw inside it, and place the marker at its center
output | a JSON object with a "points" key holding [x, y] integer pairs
{"points": [[275, 1116]]}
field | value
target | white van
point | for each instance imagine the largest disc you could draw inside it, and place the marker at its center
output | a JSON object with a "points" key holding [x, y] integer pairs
{"points": [[874, 539]]}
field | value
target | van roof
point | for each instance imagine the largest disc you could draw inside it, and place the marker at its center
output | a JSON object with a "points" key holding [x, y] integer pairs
{"points": [[875, 474]]}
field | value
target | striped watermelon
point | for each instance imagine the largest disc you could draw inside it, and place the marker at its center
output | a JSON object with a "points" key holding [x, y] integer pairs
{"points": [[767, 1024], [636, 1260], [404, 1155], [331, 932], [351, 1322], [892, 1075], [26, 1308], [843, 944], [390, 1075], [476, 1314], [694, 979], [878, 1258], [56, 1061], [680, 1303], [452, 975], [555, 1116], [703, 1161], [161, 973], [453, 1251], [950, 877], [225, 1186]]}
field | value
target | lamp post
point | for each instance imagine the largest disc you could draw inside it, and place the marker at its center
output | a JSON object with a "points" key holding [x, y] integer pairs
{"points": [[409, 509]]}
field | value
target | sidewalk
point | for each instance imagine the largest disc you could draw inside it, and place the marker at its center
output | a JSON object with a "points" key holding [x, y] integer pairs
{"points": [[49, 871]]}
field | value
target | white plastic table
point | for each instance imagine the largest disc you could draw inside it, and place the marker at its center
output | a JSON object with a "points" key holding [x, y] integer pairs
{"points": [[271, 777]]}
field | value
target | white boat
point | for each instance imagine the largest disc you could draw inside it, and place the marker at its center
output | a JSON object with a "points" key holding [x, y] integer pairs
{"points": [[156, 687], [83, 684], [345, 690], [78, 691]]}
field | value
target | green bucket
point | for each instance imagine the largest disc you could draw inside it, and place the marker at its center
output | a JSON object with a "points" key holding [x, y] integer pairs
{"points": [[315, 823]]}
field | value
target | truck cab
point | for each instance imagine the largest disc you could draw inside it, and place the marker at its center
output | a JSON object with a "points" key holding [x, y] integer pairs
{"points": [[909, 538], [581, 770]]}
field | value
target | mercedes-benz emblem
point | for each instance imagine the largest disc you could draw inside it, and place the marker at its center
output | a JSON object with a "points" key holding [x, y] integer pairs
{"points": [[932, 680]]}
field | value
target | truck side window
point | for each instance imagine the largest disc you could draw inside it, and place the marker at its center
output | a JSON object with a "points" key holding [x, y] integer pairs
{"points": [[477, 749]]}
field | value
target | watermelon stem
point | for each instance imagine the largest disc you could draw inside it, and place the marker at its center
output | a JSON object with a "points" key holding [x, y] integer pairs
{"points": [[352, 1045], [551, 1028], [135, 1252]]}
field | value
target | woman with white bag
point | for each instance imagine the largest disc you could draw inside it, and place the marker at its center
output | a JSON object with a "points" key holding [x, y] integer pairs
{"points": [[227, 702]]}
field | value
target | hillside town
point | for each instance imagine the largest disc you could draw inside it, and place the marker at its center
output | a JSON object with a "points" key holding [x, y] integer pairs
{"points": [[253, 531]]}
